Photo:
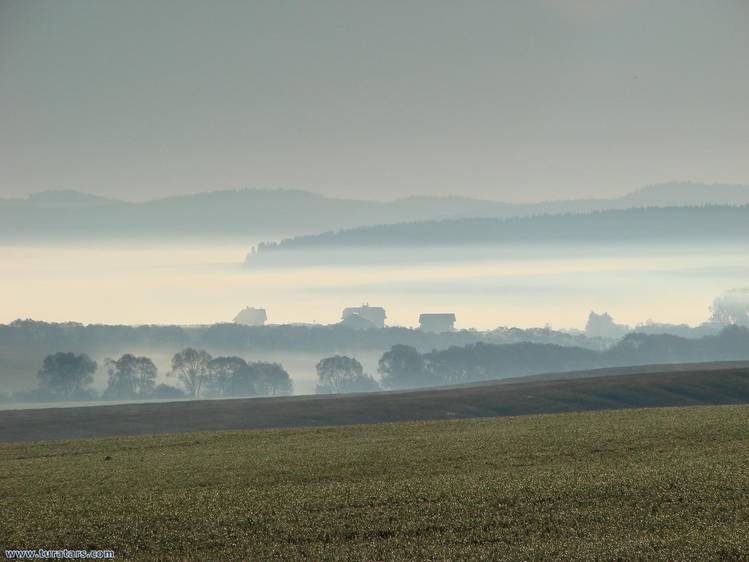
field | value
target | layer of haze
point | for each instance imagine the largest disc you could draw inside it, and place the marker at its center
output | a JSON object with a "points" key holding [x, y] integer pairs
{"points": [[509, 100], [525, 287]]}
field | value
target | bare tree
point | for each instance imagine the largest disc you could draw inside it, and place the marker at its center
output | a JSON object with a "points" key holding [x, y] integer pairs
{"points": [[190, 366], [130, 376]]}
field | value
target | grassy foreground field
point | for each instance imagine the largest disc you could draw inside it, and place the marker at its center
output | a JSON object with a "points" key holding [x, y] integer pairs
{"points": [[665, 484]]}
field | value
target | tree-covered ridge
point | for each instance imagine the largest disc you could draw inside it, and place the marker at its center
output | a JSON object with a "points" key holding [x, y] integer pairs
{"points": [[656, 224]]}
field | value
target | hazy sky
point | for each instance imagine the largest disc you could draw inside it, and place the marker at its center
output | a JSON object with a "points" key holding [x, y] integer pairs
{"points": [[516, 100]]}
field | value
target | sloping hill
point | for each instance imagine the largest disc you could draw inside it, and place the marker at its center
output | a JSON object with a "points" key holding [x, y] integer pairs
{"points": [[689, 385], [637, 225]]}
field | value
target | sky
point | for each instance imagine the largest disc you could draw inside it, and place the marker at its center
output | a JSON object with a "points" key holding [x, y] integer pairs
{"points": [[509, 100]]}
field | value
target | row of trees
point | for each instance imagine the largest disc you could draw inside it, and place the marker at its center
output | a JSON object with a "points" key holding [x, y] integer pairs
{"points": [[203, 375], [404, 367], [400, 367], [69, 376], [36, 337]]}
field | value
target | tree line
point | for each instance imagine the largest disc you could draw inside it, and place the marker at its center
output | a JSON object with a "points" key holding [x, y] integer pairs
{"points": [[641, 224], [37, 336], [403, 366], [70, 376]]}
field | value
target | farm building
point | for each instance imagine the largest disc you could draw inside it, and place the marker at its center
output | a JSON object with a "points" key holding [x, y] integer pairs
{"points": [[437, 322], [251, 317], [365, 316]]}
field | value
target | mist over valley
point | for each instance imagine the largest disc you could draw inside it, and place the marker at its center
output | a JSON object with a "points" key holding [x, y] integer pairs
{"points": [[374, 281]]}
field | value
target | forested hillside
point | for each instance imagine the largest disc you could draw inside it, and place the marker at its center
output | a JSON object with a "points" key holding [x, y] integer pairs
{"points": [[658, 225]]}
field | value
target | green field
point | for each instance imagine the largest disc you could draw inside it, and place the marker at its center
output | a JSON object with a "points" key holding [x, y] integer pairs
{"points": [[665, 484]]}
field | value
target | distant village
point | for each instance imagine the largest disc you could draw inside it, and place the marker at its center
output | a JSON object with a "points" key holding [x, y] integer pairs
{"points": [[731, 308], [362, 317]]}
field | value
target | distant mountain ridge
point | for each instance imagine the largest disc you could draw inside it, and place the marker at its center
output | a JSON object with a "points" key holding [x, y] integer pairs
{"points": [[263, 213], [689, 193]]}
